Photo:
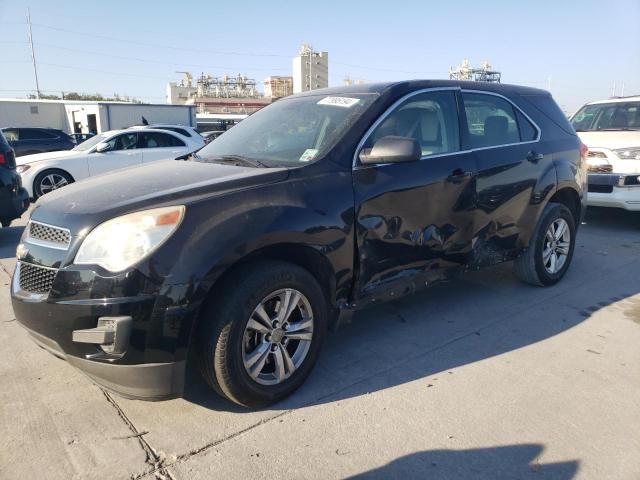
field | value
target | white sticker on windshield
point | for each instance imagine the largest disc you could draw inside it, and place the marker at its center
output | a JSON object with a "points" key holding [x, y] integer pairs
{"points": [[345, 102], [308, 155]]}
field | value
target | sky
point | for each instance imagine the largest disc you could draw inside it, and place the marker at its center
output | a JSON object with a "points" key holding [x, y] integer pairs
{"points": [[577, 49]]}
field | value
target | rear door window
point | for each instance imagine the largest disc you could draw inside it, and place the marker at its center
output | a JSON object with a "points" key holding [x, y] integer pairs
{"points": [[159, 140], [491, 120]]}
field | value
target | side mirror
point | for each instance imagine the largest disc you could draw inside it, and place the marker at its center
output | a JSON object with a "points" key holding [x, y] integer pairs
{"points": [[102, 147], [392, 149]]}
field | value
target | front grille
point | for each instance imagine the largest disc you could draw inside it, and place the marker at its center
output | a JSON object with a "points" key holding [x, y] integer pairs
{"points": [[596, 155], [36, 279], [49, 234], [600, 169], [600, 188]]}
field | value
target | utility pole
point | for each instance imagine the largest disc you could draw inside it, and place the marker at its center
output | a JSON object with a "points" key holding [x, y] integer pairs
{"points": [[622, 90], [33, 54]]}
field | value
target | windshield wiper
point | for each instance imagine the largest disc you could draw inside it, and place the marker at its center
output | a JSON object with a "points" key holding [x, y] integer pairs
{"points": [[236, 160]]}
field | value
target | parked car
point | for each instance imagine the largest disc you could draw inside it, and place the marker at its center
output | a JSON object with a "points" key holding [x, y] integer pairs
{"points": [[316, 206], [45, 172], [27, 141], [190, 134], [14, 199], [611, 130], [211, 135], [78, 138]]}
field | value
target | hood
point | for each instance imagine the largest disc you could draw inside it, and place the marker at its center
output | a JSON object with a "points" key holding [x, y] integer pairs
{"points": [[611, 140], [37, 157], [171, 182]]}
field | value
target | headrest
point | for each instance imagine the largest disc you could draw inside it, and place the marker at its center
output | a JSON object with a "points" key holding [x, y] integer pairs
{"points": [[495, 126], [430, 126]]}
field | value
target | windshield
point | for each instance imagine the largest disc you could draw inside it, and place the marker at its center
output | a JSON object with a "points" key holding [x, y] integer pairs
{"points": [[90, 143], [607, 116], [290, 132]]}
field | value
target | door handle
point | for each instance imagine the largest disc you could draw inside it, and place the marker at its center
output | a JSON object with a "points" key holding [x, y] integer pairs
{"points": [[458, 175], [534, 157]]}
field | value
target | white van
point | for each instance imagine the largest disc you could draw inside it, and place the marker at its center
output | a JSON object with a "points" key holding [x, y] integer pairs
{"points": [[611, 131]]}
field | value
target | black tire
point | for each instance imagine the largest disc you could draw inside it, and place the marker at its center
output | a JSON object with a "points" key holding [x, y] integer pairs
{"points": [[37, 183], [5, 223], [223, 322], [529, 266]]}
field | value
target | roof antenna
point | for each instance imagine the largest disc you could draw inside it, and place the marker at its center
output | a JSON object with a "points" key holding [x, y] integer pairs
{"points": [[144, 121]]}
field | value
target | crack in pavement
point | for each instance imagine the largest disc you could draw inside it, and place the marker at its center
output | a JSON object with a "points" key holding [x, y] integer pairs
{"points": [[152, 458], [4, 269]]}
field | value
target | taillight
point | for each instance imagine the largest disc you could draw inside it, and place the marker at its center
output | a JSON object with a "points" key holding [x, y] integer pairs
{"points": [[3, 160], [584, 151]]}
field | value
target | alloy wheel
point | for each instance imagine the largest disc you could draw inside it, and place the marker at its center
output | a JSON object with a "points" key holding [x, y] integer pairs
{"points": [[51, 182], [278, 336], [557, 242]]}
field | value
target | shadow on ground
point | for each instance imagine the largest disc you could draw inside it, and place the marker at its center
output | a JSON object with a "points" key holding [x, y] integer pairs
{"points": [[513, 461], [9, 239]]}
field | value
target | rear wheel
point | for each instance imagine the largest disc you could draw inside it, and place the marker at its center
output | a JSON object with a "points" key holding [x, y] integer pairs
{"points": [[50, 180], [262, 333], [550, 251]]}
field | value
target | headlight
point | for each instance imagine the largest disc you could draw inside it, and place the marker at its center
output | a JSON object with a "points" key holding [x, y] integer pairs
{"points": [[628, 153], [22, 168], [120, 242]]}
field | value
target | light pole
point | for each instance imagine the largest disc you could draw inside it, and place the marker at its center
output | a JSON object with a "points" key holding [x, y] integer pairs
{"points": [[33, 54]]}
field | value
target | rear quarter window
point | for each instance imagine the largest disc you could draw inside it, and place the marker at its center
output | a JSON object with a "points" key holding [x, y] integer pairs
{"points": [[550, 109]]}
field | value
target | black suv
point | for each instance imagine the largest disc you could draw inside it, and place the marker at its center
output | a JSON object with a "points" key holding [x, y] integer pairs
{"points": [[26, 141], [313, 207], [14, 199]]}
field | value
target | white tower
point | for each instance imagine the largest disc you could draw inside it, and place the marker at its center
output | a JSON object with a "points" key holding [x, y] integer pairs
{"points": [[310, 70]]}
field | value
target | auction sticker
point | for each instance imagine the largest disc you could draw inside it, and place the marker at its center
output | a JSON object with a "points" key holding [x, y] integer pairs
{"points": [[345, 102], [308, 155]]}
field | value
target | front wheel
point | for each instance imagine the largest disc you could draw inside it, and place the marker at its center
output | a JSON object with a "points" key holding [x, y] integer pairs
{"points": [[50, 180], [550, 250], [262, 333]]}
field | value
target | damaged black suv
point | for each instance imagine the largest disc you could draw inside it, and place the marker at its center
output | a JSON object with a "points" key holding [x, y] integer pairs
{"points": [[317, 205]]}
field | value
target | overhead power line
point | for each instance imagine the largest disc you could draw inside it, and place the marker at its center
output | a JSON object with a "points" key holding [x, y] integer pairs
{"points": [[146, 60], [155, 45]]}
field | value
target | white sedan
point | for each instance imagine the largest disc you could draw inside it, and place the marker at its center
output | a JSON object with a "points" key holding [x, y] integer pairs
{"points": [[44, 172]]}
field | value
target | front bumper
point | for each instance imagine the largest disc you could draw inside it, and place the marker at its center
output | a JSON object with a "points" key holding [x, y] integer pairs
{"points": [[621, 197], [151, 381], [153, 365], [614, 190]]}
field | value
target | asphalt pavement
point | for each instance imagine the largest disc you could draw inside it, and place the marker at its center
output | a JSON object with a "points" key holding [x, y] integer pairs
{"points": [[482, 377]]}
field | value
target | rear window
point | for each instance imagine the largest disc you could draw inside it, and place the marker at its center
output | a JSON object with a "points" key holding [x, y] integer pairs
{"points": [[548, 106], [3, 141], [36, 134]]}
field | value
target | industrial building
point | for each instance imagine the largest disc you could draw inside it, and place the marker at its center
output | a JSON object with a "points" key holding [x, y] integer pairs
{"points": [[89, 116], [278, 87], [225, 95], [310, 70], [466, 72]]}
